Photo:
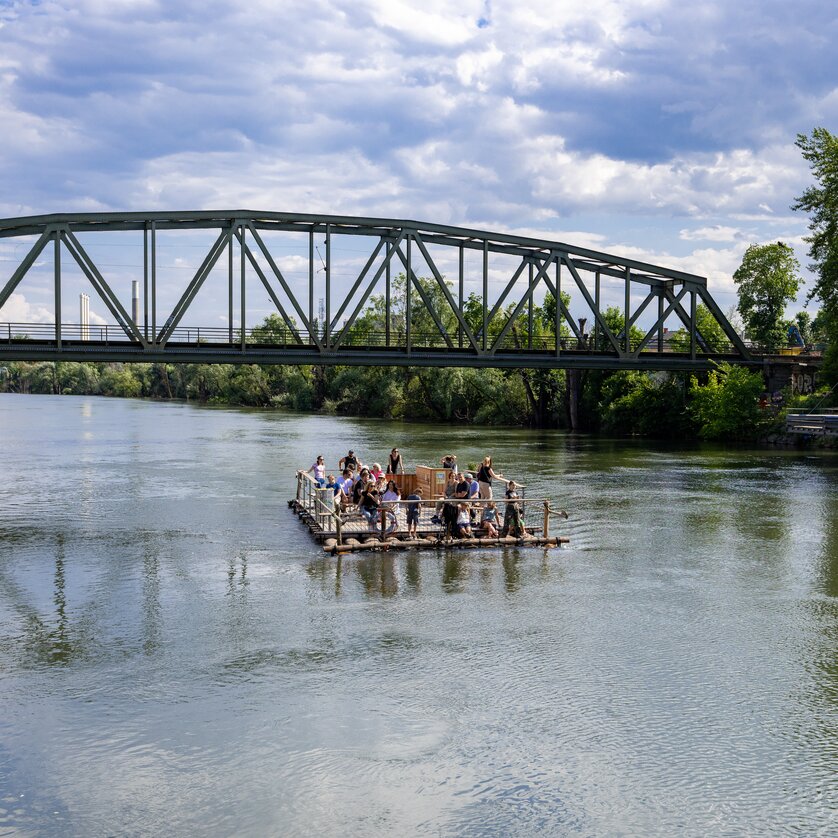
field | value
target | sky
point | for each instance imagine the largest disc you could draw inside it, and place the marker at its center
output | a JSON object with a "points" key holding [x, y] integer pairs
{"points": [[651, 129]]}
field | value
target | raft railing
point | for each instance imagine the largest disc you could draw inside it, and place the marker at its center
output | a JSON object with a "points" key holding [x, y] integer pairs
{"points": [[317, 504]]}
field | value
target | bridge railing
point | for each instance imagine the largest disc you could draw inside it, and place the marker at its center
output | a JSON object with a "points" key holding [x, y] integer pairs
{"points": [[110, 334]]}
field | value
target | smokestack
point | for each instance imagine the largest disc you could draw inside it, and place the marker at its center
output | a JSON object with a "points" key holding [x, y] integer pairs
{"points": [[135, 302]]}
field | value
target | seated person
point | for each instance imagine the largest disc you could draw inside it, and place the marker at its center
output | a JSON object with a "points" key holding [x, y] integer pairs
{"points": [[332, 484], [463, 521], [392, 493], [370, 504], [489, 522]]}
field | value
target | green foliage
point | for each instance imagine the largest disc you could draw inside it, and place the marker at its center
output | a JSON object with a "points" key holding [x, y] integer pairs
{"points": [[636, 403], [726, 408], [767, 279], [118, 380], [708, 327], [821, 202], [803, 321]]}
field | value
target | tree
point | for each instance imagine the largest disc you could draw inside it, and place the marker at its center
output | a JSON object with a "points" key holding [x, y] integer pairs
{"points": [[767, 279], [821, 151], [727, 406]]}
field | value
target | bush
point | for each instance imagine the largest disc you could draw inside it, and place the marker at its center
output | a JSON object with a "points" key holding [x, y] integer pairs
{"points": [[727, 406]]}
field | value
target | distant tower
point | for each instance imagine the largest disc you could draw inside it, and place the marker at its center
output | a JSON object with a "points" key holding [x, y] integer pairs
{"points": [[84, 314], [135, 302]]}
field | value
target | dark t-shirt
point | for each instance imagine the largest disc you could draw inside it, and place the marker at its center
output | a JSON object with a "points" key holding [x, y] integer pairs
{"points": [[462, 489]]}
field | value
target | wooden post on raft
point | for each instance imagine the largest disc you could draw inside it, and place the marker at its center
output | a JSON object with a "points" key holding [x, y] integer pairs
{"points": [[383, 513], [546, 530], [338, 525]]}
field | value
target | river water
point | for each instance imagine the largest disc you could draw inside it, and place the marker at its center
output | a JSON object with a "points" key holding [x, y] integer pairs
{"points": [[177, 657]]}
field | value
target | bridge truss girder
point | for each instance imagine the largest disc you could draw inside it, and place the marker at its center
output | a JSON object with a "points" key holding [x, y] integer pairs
{"points": [[456, 336]]}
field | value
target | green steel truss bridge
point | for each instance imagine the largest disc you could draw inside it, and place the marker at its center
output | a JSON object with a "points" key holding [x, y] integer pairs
{"points": [[345, 290]]}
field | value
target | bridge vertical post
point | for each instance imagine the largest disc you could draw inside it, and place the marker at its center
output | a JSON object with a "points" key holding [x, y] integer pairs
{"points": [[558, 307], [242, 250], [530, 312], [154, 280], [387, 304], [407, 298], [328, 323], [461, 294], [230, 287], [57, 272], [485, 294], [660, 320], [310, 277], [692, 323], [145, 281], [597, 279], [627, 313]]}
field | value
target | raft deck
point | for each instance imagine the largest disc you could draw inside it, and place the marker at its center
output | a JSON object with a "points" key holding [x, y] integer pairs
{"points": [[344, 529]]}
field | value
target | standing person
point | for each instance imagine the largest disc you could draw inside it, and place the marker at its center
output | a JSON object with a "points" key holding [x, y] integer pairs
{"points": [[512, 515], [319, 469], [414, 501], [449, 461], [350, 461], [396, 464], [485, 476]]}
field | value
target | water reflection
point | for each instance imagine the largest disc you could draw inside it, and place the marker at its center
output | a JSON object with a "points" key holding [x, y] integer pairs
{"points": [[45, 639], [152, 617], [511, 572], [377, 573]]}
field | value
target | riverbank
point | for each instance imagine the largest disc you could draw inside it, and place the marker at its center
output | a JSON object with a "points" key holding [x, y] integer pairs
{"points": [[722, 405]]}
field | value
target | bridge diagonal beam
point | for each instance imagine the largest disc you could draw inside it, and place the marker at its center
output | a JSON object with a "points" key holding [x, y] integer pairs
{"points": [[472, 339], [25, 265], [414, 280], [356, 285], [261, 274], [278, 274], [640, 309], [556, 257], [728, 329], [344, 332], [502, 298], [532, 284], [689, 322], [194, 286], [659, 323], [96, 279], [571, 266]]}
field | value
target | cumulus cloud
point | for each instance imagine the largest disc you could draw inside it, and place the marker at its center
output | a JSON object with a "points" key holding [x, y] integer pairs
{"points": [[516, 116]]}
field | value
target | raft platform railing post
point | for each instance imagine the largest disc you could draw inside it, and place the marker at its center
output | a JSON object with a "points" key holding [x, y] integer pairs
{"points": [[546, 531]]}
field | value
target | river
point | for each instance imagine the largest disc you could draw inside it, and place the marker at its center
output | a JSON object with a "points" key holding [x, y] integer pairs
{"points": [[177, 657]]}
